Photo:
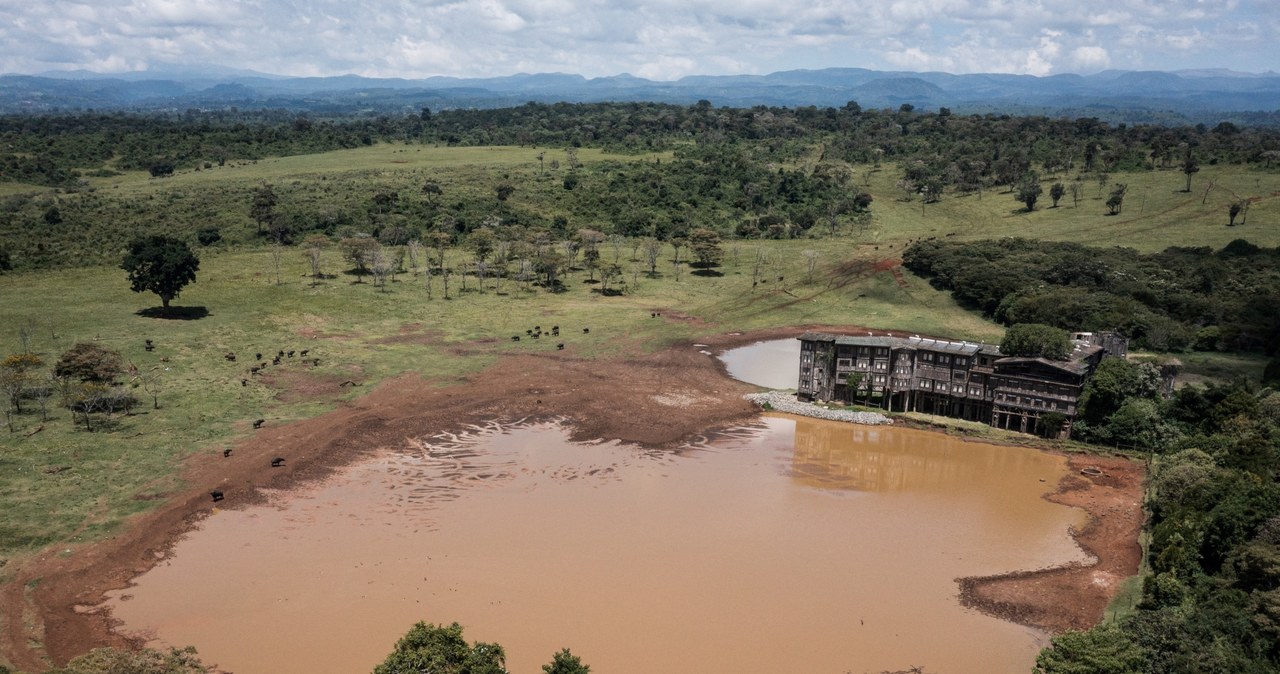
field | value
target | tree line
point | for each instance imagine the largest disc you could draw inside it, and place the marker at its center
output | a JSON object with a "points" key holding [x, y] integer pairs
{"points": [[959, 150], [1182, 298]]}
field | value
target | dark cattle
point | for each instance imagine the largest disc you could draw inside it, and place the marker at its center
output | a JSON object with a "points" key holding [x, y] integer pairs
{"points": [[586, 330], [259, 422], [653, 314], [275, 361], [230, 356], [538, 328], [226, 453], [290, 354], [217, 495], [537, 335], [555, 328], [255, 370], [315, 361], [257, 356], [560, 347], [528, 332], [303, 353], [244, 382], [277, 462], [515, 338], [280, 354]]}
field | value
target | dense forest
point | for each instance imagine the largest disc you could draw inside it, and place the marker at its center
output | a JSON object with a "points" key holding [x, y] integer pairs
{"points": [[1175, 300], [1211, 599], [960, 151]]}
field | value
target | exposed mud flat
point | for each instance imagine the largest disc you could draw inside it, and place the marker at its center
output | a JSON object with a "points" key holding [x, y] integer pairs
{"points": [[796, 545]]}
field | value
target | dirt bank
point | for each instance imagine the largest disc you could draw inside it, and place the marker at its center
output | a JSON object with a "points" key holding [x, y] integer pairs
{"points": [[1075, 596], [657, 399]]}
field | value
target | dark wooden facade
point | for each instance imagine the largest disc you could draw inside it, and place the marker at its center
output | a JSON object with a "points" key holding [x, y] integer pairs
{"points": [[965, 380]]}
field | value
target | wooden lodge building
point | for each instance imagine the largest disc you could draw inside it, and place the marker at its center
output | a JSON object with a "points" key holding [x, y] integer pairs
{"points": [[965, 380]]}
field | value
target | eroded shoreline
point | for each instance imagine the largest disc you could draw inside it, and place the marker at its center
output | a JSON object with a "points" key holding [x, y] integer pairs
{"points": [[611, 399]]}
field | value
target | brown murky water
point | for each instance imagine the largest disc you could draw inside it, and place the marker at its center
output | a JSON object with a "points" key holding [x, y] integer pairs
{"points": [[800, 546], [772, 364]]}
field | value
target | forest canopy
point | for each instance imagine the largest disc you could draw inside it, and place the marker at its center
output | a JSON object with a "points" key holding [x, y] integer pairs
{"points": [[1177, 299]]}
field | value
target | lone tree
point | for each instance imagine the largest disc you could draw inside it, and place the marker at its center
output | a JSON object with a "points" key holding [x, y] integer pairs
{"points": [[1056, 193], [1189, 167], [1029, 190], [262, 208], [1035, 340], [1115, 202], [161, 265], [705, 244]]}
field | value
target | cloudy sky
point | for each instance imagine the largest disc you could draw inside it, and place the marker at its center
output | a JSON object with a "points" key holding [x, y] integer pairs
{"points": [[657, 39]]}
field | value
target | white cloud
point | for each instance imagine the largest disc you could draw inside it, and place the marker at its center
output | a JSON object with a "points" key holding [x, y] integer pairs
{"points": [[658, 38]]}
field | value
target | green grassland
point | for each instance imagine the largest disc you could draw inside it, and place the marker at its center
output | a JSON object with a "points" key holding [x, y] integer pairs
{"points": [[59, 482]]}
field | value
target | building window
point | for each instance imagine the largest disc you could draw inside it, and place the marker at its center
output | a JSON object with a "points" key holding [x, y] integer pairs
{"points": [[843, 362]]}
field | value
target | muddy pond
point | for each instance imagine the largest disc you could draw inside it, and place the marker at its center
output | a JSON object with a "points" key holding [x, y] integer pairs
{"points": [[795, 545]]}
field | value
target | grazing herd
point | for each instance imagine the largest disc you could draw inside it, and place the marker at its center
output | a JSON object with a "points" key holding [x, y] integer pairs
{"points": [[281, 355], [259, 366]]}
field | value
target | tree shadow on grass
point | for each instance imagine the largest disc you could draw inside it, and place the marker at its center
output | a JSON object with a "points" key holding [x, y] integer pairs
{"points": [[707, 272], [174, 313]]}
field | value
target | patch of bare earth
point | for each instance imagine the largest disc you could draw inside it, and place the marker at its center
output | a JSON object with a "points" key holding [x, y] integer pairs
{"points": [[1074, 597], [49, 609]]}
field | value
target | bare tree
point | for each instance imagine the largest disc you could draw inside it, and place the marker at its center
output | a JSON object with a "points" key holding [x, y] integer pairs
{"points": [[811, 261], [414, 248], [652, 251], [153, 383], [277, 253], [313, 246], [1213, 182], [615, 242], [381, 265]]}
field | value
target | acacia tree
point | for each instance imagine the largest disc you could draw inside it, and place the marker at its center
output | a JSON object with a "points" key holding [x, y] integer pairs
{"points": [[705, 244], [161, 265], [1115, 202], [262, 208], [314, 246], [652, 249], [1189, 167], [1029, 190], [1056, 193], [359, 250], [17, 374]]}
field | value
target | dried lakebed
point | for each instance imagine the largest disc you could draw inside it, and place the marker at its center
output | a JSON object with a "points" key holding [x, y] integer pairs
{"points": [[794, 545]]}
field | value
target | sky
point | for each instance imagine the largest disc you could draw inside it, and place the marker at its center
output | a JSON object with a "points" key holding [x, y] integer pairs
{"points": [[660, 39]]}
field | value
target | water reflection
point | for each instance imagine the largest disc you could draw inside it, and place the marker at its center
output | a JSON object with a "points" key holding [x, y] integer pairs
{"points": [[771, 364], [800, 546]]}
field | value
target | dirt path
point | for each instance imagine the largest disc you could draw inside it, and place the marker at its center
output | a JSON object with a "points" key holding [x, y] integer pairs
{"points": [[657, 400]]}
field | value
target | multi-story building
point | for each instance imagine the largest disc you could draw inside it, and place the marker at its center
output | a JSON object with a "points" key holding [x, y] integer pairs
{"points": [[966, 380]]}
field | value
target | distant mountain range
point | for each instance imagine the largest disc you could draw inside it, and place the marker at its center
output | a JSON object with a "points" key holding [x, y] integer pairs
{"points": [[1134, 96]]}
